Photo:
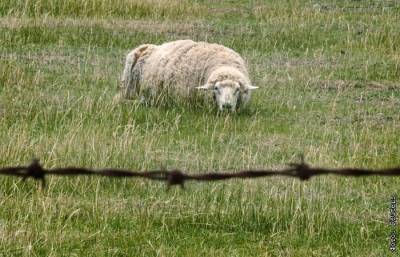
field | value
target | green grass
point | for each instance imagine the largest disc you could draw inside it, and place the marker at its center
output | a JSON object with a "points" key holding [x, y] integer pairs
{"points": [[328, 74]]}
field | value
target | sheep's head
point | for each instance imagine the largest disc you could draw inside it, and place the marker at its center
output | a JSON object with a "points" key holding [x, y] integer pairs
{"points": [[229, 94]]}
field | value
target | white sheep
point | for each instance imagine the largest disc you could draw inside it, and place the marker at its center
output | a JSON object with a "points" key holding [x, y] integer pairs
{"points": [[180, 67]]}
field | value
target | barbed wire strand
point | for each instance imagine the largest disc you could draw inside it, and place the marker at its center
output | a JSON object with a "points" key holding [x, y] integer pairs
{"points": [[174, 177]]}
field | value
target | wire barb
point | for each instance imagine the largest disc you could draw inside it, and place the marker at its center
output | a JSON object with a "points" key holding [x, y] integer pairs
{"points": [[35, 171], [301, 170], [176, 177]]}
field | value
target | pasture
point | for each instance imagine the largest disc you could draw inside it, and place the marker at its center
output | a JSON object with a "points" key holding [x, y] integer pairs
{"points": [[329, 78]]}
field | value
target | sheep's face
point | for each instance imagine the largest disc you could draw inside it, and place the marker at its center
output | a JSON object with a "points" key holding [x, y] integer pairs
{"points": [[228, 94]]}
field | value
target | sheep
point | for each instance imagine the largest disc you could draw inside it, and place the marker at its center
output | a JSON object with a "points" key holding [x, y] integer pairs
{"points": [[180, 68]]}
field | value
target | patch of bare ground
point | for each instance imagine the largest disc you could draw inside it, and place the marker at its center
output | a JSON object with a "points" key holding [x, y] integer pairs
{"points": [[279, 61], [111, 24], [179, 30], [45, 57], [370, 85], [61, 56]]}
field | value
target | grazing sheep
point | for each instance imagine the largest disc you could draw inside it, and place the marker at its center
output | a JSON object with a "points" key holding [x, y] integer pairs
{"points": [[180, 67]]}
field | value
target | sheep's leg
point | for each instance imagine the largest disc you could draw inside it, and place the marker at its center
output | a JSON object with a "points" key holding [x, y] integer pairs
{"points": [[130, 77]]}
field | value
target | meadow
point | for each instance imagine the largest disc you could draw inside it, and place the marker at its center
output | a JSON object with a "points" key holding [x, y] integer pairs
{"points": [[329, 78]]}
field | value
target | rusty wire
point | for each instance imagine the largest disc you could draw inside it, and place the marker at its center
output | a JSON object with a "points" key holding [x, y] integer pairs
{"points": [[177, 177]]}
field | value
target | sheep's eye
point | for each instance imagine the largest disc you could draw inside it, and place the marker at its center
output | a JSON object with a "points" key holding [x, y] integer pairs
{"points": [[217, 90]]}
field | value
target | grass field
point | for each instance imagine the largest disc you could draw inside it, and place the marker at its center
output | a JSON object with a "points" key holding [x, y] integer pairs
{"points": [[329, 73]]}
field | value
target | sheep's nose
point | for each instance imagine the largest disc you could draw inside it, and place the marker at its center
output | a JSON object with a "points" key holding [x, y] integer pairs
{"points": [[227, 106]]}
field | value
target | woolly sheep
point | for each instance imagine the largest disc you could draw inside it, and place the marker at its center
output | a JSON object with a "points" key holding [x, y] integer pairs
{"points": [[180, 67]]}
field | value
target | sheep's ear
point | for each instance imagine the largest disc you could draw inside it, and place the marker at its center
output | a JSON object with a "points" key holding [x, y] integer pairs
{"points": [[207, 86], [250, 87]]}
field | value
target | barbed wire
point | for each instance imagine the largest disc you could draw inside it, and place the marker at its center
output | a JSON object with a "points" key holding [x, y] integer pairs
{"points": [[174, 177]]}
